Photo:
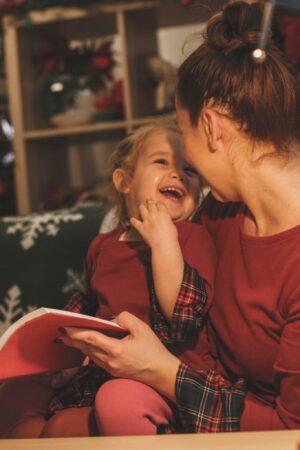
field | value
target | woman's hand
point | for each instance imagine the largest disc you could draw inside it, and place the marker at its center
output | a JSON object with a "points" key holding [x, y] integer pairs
{"points": [[139, 356]]}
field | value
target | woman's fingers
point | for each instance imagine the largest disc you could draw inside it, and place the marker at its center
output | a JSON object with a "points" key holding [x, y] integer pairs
{"points": [[98, 347], [88, 341], [139, 356], [129, 322]]}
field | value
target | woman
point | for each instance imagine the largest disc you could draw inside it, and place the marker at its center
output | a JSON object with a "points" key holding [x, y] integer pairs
{"points": [[241, 125]]}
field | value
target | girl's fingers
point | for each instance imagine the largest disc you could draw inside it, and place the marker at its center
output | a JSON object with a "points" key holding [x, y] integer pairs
{"points": [[161, 206], [151, 205], [144, 211], [137, 224]]}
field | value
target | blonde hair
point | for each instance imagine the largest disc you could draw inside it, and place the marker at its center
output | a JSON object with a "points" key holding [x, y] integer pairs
{"points": [[125, 157]]}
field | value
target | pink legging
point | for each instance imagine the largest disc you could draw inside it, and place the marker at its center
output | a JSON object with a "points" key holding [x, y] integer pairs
{"points": [[125, 407], [122, 407]]}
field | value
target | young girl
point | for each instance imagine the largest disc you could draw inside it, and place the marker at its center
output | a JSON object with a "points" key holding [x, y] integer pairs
{"points": [[139, 267]]}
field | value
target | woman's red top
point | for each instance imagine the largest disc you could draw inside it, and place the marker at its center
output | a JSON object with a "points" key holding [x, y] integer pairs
{"points": [[254, 320]]}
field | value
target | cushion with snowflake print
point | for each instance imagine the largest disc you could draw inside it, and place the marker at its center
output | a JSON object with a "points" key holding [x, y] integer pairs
{"points": [[42, 257]]}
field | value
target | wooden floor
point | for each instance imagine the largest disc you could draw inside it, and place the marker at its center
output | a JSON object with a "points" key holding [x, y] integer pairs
{"points": [[274, 440]]}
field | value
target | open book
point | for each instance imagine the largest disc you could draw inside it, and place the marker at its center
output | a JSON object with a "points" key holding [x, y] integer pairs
{"points": [[27, 347]]}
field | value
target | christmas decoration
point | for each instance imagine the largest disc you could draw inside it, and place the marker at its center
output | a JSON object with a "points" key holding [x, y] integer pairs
{"points": [[79, 85]]}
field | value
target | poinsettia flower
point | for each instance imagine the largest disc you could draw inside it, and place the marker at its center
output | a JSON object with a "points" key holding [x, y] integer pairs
{"points": [[104, 102], [102, 62]]}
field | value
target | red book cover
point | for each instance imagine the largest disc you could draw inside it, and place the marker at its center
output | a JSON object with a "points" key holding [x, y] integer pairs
{"points": [[27, 347]]}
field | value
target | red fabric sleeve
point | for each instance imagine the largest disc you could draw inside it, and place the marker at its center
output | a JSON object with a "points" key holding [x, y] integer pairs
{"points": [[258, 416]]}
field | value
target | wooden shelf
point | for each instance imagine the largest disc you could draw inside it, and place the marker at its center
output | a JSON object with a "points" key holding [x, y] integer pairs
{"points": [[79, 129], [90, 128], [43, 152], [58, 14]]}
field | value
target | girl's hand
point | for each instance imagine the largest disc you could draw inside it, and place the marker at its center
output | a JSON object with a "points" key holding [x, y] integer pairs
{"points": [[139, 356], [156, 226]]}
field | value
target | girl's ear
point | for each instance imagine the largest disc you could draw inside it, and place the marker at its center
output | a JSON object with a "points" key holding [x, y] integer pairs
{"points": [[213, 128], [121, 181]]}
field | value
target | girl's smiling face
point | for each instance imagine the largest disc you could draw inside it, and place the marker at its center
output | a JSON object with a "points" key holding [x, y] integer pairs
{"points": [[162, 175]]}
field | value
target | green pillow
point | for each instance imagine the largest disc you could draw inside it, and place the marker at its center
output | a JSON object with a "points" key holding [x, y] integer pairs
{"points": [[42, 257]]}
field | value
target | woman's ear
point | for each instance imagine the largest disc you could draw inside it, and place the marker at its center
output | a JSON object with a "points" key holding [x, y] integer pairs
{"points": [[213, 128], [121, 181]]}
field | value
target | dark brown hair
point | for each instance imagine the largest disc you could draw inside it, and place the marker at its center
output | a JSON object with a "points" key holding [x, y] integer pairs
{"points": [[263, 98]]}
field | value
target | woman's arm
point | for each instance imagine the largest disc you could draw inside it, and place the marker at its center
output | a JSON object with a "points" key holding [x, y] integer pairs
{"points": [[205, 401]]}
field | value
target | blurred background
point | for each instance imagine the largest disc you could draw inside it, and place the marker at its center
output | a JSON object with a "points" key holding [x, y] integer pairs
{"points": [[76, 76]]}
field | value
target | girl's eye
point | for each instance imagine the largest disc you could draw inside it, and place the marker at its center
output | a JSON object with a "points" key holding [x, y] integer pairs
{"points": [[190, 171], [161, 161]]}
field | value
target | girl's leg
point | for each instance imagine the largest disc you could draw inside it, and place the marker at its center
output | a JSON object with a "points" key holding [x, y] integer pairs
{"points": [[28, 427], [125, 407], [23, 408], [71, 422]]}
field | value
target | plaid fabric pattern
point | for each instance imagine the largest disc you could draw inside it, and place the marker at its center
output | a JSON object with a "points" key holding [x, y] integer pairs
{"points": [[189, 311], [186, 321], [206, 403], [81, 390], [82, 304]]}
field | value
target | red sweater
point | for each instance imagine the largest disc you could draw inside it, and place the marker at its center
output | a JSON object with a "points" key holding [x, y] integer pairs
{"points": [[254, 321], [119, 274]]}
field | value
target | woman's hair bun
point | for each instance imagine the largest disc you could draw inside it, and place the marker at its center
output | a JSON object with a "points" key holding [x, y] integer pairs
{"points": [[238, 25]]}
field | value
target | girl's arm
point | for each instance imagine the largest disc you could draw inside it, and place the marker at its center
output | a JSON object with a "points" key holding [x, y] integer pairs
{"points": [[159, 232]]}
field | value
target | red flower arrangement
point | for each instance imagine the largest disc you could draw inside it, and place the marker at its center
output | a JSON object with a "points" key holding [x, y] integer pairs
{"points": [[93, 60], [69, 68]]}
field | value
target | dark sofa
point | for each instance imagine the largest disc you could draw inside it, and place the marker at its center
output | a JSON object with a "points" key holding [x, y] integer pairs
{"points": [[41, 258]]}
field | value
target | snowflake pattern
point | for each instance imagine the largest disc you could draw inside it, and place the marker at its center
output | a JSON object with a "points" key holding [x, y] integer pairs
{"points": [[74, 282], [30, 227], [11, 310]]}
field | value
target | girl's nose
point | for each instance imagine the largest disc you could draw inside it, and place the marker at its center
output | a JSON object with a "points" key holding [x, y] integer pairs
{"points": [[176, 173]]}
